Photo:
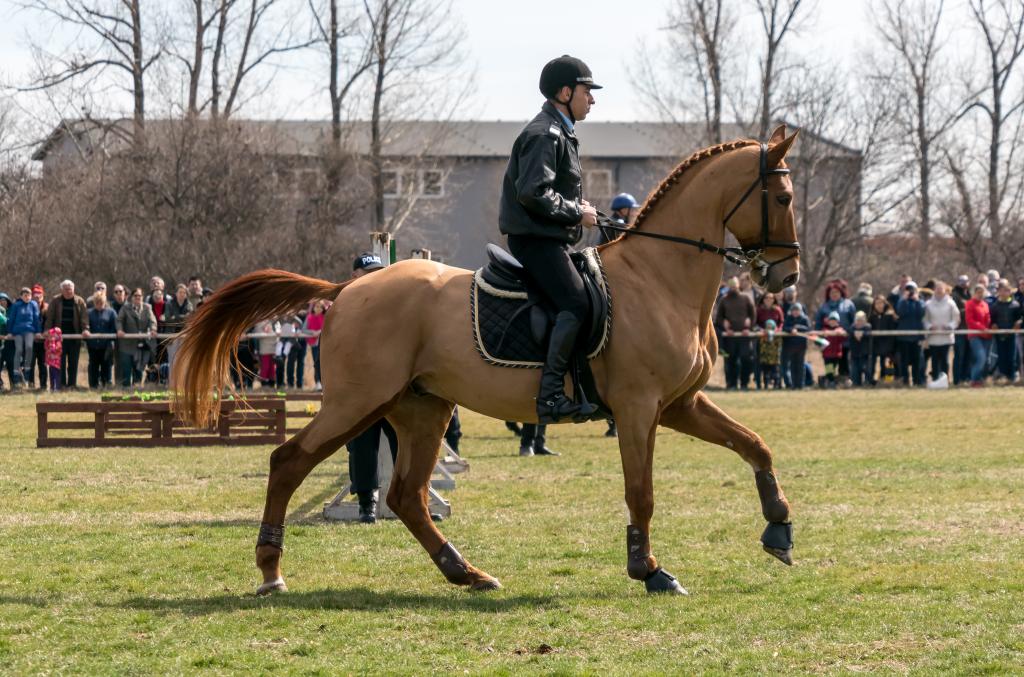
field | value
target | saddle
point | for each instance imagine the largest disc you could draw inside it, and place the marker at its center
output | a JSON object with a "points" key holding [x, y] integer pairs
{"points": [[512, 319]]}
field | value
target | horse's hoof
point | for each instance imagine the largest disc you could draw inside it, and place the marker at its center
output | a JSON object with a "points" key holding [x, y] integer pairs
{"points": [[778, 541], [485, 585], [784, 555], [276, 585], [663, 581]]}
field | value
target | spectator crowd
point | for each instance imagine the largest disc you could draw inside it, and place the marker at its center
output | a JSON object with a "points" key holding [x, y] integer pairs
{"points": [[766, 338], [129, 340], [762, 337]]}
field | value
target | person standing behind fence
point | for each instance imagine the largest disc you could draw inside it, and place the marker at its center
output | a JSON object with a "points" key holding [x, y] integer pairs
{"points": [[910, 317], [863, 299], [736, 313], [102, 320], [961, 294], [315, 323], [39, 354], [860, 350], [99, 288], [67, 310], [53, 349], [833, 353], [794, 348], [6, 346], [1006, 314], [769, 356], [176, 312], [978, 317], [266, 346], [23, 325], [136, 317], [883, 348], [195, 291], [940, 313]]}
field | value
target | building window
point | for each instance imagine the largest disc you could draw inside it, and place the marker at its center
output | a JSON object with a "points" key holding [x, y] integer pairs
{"points": [[391, 186], [431, 183], [428, 183], [597, 185]]}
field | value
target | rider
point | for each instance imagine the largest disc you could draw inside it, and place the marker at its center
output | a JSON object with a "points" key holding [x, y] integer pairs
{"points": [[541, 211]]}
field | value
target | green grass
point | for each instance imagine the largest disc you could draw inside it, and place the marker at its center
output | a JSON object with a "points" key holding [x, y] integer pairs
{"points": [[909, 527]]}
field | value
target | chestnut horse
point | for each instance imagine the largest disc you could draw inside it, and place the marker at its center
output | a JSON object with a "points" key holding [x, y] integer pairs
{"points": [[398, 344]]}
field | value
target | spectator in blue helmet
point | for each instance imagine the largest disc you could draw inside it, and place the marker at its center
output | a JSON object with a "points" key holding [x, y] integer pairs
{"points": [[624, 208]]}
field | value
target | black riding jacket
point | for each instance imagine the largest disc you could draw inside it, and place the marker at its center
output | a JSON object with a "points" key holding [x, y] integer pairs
{"points": [[543, 184]]}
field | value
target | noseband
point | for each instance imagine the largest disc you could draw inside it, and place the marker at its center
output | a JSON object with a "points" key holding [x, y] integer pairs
{"points": [[752, 256]]}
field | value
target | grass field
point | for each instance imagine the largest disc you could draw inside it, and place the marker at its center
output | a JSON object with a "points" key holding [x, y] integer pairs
{"points": [[909, 544]]}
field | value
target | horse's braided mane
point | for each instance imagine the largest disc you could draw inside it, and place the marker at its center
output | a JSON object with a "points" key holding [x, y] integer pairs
{"points": [[678, 172]]}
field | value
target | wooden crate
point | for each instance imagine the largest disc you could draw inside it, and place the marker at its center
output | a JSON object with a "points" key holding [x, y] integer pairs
{"points": [[152, 424]]}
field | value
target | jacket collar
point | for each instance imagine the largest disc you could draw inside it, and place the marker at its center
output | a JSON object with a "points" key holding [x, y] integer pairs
{"points": [[556, 116]]}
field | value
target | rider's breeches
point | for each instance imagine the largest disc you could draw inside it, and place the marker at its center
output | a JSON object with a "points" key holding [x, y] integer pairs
{"points": [[547, 263]]}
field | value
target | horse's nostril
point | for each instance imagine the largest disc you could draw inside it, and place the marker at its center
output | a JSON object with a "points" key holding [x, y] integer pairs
{"points": [[790, 280]]}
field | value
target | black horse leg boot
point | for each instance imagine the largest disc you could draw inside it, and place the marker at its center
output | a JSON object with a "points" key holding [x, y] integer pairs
{"points": [[552, 404]]}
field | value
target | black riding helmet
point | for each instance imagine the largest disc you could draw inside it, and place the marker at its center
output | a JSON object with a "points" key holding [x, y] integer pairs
{"points": [[565, 71]]}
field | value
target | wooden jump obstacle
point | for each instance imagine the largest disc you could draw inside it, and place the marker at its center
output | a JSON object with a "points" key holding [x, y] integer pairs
{"points": [[153, 424]]}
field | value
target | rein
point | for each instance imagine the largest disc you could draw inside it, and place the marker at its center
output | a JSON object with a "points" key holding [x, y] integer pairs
{"points": [[752, 257]]}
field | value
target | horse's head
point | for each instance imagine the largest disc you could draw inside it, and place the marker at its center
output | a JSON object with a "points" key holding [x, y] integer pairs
{"points": [[761, 218]]}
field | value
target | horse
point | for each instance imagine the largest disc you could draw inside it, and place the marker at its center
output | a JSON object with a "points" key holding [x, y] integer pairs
{"points": [[398, 344]]}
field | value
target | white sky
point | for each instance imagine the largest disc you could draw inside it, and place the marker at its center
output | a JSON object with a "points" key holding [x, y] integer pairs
{"points": [[508, 43]]}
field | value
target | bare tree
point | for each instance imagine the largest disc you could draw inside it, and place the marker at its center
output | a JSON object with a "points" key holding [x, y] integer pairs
{"points": [[694, 60], [1004, 42], [247, 35], [910, 31], [112, 38], [350, 56], [778, 18], [414, 49]]}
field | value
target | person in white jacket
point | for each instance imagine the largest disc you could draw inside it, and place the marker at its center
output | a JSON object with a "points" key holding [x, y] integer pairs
{"points": [[940, 313]]}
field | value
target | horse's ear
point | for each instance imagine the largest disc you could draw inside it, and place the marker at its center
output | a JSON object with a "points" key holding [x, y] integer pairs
{"points": [[778, 135], [778, 151]]}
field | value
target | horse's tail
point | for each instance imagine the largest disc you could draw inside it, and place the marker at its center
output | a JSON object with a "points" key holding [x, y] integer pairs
{"points": [[209, 343]]}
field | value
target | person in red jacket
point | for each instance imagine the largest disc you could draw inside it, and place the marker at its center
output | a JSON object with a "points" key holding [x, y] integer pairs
{"points": [[978, 317], [833, 352]]}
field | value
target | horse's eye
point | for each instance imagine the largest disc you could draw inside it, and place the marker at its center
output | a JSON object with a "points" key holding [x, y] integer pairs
{"points": [[784, 200]]}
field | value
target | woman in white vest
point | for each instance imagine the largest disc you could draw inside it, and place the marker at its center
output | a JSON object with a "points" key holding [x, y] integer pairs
{"points": [[940, 313]]}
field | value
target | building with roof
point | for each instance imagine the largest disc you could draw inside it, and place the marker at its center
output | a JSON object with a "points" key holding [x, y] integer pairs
{"points": [[446, 176]]}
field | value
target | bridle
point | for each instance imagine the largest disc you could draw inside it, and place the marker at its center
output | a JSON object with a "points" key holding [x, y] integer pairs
{"points": [[744, 255]]}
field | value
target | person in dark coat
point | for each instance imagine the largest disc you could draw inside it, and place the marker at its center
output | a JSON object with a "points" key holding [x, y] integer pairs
{"points": [[1006, 314], [102, 320], [67, 310], [860, 350], [910, 316], [961, 294], [364, 449], [882, 348], [735, 318], [542, 212], [794, 348]]}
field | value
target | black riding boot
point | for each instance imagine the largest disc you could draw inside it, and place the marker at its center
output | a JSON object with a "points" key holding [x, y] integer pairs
{"points": [[552, 404]]}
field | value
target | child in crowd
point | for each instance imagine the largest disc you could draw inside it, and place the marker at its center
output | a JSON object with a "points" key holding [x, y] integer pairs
{"points": [[833, 352], [769, 355], [285, 345], [267, 346], [54, 346], [860, 350]]}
